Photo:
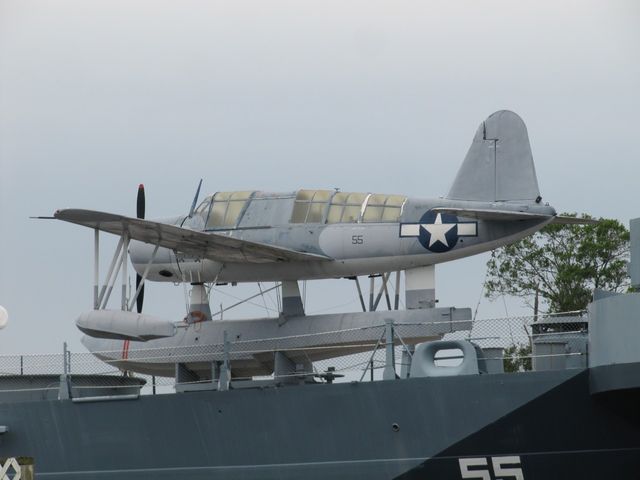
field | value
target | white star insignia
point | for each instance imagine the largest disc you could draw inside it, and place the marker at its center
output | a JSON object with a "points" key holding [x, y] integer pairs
{"points": [[438, 231]]}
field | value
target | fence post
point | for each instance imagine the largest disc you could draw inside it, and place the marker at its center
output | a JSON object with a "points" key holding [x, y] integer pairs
{"points": [[64, 390], [407, 357], [225, 374], [389, 372]]}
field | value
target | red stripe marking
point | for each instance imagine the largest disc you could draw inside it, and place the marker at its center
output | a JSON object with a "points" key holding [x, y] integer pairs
{"points": [[125, 350]]}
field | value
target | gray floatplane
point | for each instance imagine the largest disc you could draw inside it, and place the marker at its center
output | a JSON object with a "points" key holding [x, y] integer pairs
{"points": [[254, 236]]}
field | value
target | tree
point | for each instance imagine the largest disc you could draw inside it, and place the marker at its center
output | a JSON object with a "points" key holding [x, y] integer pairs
{"points": [[562, 264], [517, 358]]}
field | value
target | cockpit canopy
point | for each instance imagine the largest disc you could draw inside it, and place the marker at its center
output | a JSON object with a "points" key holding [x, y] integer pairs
{"points": [[223, 209], [228, 210]]}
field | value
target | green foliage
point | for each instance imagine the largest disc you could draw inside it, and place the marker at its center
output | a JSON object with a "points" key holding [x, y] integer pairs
{"points": [[517, 358], [563, 264]]}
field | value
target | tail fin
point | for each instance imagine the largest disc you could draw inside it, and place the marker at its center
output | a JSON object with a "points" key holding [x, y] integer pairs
{"points": [[499, 165]]}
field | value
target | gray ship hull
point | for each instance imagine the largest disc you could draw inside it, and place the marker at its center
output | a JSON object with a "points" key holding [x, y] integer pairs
{"points": [[548, 425]]}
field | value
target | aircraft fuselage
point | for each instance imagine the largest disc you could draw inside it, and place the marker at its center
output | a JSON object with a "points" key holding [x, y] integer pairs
{"points": [[418, 237]]}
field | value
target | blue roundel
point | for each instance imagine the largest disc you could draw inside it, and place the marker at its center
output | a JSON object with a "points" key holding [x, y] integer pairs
{"points": [[438, 231]]}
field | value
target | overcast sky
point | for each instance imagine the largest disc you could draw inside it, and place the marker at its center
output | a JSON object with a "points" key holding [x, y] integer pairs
{"points": [[98, 96]]}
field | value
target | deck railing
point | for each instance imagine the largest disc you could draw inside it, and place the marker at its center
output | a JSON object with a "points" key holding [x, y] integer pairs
{"points": [[360, 354]]}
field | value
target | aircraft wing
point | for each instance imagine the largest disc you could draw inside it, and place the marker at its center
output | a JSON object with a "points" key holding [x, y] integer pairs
{"points": [[213, 246], [506, 215]]}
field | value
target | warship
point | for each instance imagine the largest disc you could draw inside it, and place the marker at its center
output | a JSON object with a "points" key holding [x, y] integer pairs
{"points": [[424, 392]]}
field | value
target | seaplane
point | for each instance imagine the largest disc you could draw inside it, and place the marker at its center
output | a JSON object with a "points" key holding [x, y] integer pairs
{"points": [[286, 237]]}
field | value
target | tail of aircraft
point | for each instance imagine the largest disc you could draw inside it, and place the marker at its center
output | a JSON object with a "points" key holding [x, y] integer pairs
{"points": [[499, 165]]}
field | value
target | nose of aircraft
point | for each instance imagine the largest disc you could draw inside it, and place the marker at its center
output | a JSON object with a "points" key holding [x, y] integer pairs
{"points": [[162, 267]]}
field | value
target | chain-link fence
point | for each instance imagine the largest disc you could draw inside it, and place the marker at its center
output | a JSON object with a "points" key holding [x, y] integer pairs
{"points": [[359, 354]]}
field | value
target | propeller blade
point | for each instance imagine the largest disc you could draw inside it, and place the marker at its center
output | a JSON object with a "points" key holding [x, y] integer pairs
{"points": [[140, 210], [140, 204], [140, 299]]}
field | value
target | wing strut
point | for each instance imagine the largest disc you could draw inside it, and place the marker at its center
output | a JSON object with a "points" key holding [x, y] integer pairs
{"points": [[108, 284], [119, 261], [125, 263]]}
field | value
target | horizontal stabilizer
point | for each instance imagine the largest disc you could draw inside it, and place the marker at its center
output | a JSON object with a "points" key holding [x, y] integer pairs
{"points": [[213, 246], [564, 220], [511, 215], [493, 215]]}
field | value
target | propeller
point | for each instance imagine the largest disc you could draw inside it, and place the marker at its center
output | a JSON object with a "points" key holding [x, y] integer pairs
{"points": [[140, 208], [140, 211]]}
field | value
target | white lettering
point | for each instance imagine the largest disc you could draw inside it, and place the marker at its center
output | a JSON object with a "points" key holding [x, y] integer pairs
{"points": [[500, 471], [503, 467], [466, 463]]}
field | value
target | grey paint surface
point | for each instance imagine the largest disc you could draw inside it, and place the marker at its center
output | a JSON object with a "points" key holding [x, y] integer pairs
{"points": [[499, 164], [317, 431], [614, 330]]}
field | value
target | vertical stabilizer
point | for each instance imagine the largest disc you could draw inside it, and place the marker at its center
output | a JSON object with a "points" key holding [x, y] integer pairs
{"points": [[499, 165]]}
